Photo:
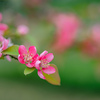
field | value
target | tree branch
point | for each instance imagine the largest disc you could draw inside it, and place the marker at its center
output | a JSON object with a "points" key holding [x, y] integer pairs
{"points": [[11, 56]]}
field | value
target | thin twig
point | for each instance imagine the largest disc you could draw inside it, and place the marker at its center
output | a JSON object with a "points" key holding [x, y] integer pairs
{"points": [[11, 56]]}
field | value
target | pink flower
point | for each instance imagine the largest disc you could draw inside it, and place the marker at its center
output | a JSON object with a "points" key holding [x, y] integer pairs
{"points": [[27, 57], [3, 44], [22, 29], [91, 45], [3, 27], [90, 48], [67, 26], [43, 64]]}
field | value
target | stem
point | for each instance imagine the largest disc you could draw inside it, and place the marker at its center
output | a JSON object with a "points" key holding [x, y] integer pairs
{"points": [[11, 56]]}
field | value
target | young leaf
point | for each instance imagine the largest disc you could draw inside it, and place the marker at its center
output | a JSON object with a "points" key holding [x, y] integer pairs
{"points": [[28, 70], [13, 50], [53, 78]]}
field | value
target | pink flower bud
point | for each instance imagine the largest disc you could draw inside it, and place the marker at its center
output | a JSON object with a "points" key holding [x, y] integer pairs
{"points": [[3, 27], [22, 29], [8, 58]]}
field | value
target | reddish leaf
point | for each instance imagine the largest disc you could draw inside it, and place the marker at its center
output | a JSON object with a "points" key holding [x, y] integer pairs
{"points": [[53, 78]]}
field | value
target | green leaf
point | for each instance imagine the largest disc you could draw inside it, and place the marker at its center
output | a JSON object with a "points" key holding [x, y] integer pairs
{"points": [[13, 50], [53, 78], [28, 70]]}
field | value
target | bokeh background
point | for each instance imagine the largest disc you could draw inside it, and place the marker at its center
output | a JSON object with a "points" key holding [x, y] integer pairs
{"points": [[68, 28]]}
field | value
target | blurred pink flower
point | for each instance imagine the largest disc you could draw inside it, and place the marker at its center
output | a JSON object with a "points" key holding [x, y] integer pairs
{"points": [[3, 27], [67, 26], [22, 29], [43, 63], [27, 57], [91, 45], [90, 48], [3, 44]]}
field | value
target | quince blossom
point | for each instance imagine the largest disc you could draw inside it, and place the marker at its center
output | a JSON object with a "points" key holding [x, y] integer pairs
{"points": [[43, 64], [27, 57]]}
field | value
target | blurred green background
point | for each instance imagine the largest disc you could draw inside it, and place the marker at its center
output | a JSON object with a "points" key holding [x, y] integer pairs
{"points": [[79, 73]]}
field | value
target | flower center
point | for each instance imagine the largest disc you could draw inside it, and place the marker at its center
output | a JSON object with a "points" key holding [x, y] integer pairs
{"points": [[44, 63], [28, 58]]}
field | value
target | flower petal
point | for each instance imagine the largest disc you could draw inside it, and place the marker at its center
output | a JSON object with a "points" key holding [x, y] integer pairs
{"points": [[1, 38], [21, 60], [36, 57], [1, 32], [22, 50], [8, 58], [10, 43], [37, 64], [40, 74], [49, 70], [43, 53], [30, 65], [32, 50], [49, 57], [5, 44]]}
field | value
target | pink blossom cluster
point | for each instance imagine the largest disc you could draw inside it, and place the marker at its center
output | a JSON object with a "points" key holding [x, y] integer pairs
{"points": [[32, 59]]}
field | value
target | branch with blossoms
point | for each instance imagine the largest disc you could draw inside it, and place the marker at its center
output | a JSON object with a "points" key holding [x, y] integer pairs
{"points": [[67, 27], [30, 57]]}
